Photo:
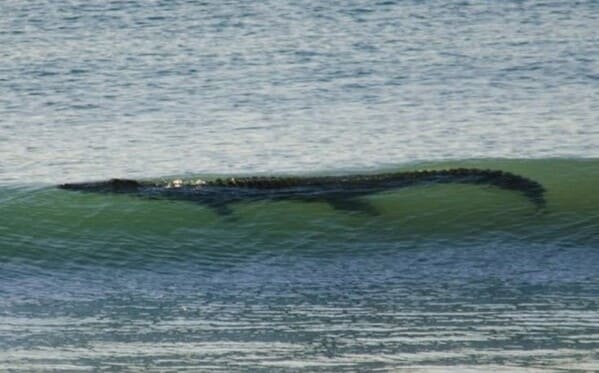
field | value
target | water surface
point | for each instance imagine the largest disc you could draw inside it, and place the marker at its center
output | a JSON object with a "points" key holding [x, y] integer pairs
{"points": [[445, 277]]}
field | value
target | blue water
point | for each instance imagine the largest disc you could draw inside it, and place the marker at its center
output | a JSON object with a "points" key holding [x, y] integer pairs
{"points": [[444, 278]]}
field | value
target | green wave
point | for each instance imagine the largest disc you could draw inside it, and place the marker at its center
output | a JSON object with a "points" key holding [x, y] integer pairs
{"points": [[48, 224]]}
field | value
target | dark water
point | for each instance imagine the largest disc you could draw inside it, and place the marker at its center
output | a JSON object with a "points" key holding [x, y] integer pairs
{"points": [[444, 278]]}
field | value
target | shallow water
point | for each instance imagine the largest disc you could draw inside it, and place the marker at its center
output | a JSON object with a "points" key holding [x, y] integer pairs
{"points": [[444, 277]]}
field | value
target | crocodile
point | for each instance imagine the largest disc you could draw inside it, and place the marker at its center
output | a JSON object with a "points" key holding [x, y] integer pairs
{"points": [[341, 192]]}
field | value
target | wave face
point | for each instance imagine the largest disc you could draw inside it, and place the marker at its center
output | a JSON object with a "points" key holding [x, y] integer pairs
{"points": [[444, 276], [58, 225]]}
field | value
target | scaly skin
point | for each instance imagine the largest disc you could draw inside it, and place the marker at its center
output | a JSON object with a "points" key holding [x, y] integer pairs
{"points": [[337, 190]]}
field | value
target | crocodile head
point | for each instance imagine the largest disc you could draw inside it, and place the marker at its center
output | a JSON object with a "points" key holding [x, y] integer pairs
{"points": [[112, 185]]}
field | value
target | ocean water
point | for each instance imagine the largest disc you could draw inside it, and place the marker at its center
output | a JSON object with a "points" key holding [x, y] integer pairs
{"points": [[443, 278]]}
